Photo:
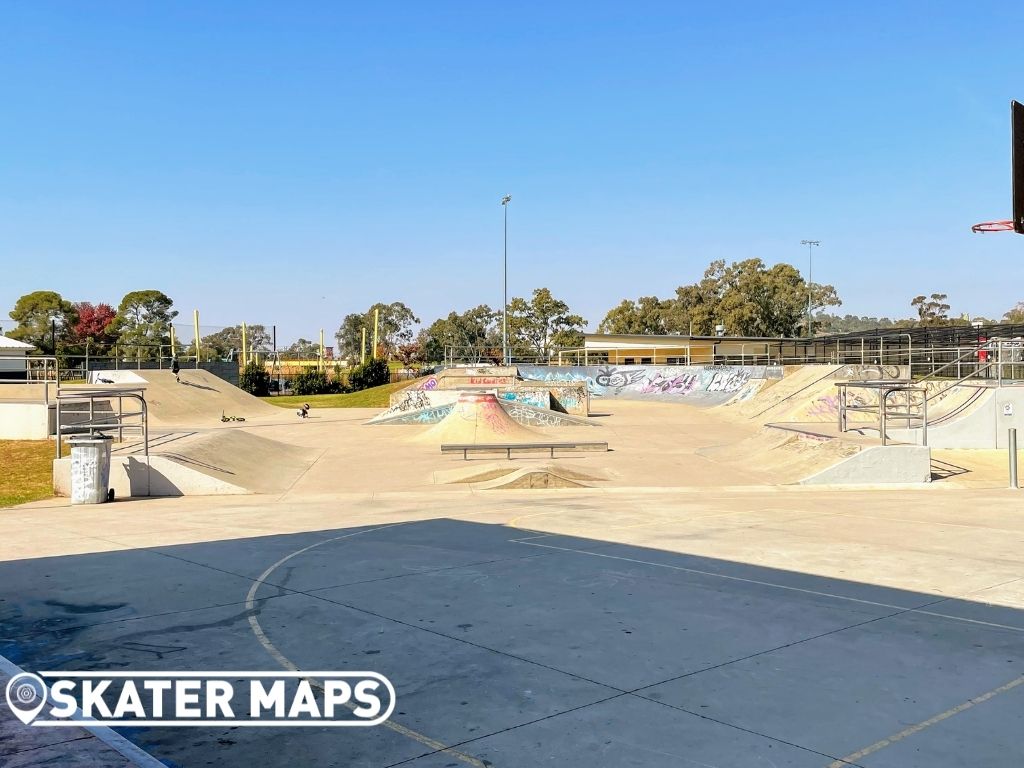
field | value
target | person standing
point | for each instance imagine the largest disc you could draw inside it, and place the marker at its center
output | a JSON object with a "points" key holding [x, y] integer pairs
{"points": [[176, 369]]}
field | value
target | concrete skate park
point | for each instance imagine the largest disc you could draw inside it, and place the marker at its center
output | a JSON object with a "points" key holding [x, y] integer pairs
{"points": [[706, 570]]}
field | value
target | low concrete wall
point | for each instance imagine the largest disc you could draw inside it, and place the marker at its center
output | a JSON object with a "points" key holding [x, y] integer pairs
{"points": [[152, 476], [878, 465], [26, 421]]}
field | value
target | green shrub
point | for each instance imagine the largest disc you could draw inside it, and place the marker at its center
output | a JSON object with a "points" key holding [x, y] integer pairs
{"points": [[254, 379], [372, 373], [314, 382]]}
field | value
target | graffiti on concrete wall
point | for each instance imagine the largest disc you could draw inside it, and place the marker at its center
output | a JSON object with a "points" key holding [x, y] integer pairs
{"points": [[708, 385], [531, 417], [538, 398]]}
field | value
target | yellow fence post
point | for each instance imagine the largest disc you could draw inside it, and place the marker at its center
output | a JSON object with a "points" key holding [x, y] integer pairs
{"points": [[195, 322], [376, 322]]}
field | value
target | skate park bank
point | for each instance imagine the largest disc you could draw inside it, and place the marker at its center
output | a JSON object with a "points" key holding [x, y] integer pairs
{"points": [[664, 426]]}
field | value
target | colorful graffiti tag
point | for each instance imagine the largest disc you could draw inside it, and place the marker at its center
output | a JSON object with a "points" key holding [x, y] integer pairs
{"points": [[710, 385]]}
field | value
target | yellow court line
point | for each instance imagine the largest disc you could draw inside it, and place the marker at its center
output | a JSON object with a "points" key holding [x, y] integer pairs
{"points": [[284, 661], [853, 757]]}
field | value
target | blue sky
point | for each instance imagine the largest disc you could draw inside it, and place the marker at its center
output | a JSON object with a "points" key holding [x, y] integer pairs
{"points": [[289, 163]]}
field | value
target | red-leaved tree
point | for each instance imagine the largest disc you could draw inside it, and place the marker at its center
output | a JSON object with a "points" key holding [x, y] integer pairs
{"points": [[94, 323]]}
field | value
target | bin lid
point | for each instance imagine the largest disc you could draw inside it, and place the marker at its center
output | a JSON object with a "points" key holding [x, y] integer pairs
{"points": [[88, 439]]}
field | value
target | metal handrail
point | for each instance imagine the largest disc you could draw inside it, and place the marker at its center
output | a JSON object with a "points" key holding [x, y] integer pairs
{"points": [[91, 395], [885, 389]]}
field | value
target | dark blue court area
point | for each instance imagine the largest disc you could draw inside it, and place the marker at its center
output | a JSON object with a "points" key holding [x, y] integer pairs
{"points": [[509, 648]]}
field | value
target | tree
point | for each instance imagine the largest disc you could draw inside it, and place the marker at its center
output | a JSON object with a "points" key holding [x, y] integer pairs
{"points": [[852, 323], [931, 310], [395, 327], [94, 325], [229, 340], [473, 334], [303, 349], [38, 314], [409, 354], [543, 323], [646, 315], [748, 298], [143, 323], [1015, 315]]}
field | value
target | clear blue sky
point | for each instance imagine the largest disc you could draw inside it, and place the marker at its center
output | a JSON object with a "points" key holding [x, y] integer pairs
{"points": [[288, 163]]}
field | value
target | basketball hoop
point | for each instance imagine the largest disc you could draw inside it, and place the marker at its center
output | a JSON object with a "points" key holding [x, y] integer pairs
{"points": [[993, 226]]}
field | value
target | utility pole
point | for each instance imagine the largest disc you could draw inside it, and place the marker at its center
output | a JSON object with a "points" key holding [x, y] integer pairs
{"points": [[810, 284], [504, 306]]}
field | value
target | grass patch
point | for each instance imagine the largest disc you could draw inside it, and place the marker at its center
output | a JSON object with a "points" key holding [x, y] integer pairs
{"points": [[375, 397], [28, 471]]}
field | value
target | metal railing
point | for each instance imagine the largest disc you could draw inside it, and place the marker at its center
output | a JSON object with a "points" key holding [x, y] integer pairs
{"points": [[104, 422], [913, 411], [40, 370]]}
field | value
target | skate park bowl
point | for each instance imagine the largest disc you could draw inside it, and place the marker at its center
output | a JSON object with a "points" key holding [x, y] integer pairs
{"points": [[691, 427]]}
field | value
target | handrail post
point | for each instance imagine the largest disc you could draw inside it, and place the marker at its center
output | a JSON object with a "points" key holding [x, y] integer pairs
{"points": [[924, 417], [883, 396]]}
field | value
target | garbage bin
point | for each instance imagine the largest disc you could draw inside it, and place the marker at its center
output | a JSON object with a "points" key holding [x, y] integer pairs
{"points": [[90, 469]]}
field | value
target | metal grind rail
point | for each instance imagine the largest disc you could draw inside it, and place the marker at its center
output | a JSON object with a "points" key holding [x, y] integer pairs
{"points": [[884, 390], [105, 422]]}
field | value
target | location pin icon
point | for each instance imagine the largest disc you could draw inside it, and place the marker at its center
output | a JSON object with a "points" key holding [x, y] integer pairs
{"points": [[26, 695]]}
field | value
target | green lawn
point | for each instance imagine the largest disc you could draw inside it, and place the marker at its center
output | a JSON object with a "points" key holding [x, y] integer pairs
{"points": [[375, 397], [28, 471]]}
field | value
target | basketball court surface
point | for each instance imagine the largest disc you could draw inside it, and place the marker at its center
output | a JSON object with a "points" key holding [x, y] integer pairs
{"points": [[743, 628]]}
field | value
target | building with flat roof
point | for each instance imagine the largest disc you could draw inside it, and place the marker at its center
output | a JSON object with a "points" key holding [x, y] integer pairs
{"points": [[643, 349], [13, 357]]}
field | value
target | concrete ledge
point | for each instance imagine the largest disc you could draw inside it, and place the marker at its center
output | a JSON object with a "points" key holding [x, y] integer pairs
{"points": [[879, 465], [26, 421], [152, 476]]}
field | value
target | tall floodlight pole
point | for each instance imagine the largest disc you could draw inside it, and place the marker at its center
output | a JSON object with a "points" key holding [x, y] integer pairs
{"points": [[504, 306], [810, 265]]}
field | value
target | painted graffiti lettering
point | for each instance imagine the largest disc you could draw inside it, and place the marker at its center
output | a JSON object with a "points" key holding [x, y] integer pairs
{"points": [[727, 381]]}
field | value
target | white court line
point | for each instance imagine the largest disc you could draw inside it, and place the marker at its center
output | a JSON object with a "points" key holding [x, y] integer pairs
{"points": [[844, 762], [284, 661], [132, 752], [903, 609]]}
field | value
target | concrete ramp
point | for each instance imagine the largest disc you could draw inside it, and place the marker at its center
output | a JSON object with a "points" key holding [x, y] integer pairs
{"points": [[505, 475], [200, 398], [982, 422], [227, 461]]}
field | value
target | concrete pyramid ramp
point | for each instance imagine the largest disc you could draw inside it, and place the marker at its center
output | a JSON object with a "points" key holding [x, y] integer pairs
{"points": [[478, 418]]}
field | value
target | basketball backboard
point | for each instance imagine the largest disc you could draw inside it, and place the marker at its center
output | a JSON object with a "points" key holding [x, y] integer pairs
{"points": [[1016, 223], [1017, 164]]}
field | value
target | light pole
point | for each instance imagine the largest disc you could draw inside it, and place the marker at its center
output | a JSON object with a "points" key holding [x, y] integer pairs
{"points": [[504, 307], [810, 264]]}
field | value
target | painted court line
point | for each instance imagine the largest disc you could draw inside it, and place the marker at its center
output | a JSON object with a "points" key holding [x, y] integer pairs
{"points": [[284, 661], [902, 609], [133, 753], [843, 762]]}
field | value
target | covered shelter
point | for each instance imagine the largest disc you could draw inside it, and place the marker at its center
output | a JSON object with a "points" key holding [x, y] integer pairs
{"points": [[14, 358], [644, 349]]}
